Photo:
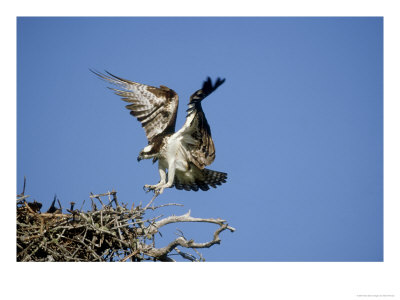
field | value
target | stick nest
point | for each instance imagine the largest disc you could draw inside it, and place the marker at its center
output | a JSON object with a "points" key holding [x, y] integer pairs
{"points": [[110, 232]]}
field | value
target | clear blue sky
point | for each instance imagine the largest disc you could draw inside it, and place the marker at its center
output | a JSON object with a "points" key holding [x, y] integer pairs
{"points": [[298, 125]]}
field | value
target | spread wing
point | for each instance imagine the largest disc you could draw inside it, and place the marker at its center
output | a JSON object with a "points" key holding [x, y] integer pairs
{"points": [[196, 133], [154, 107]]}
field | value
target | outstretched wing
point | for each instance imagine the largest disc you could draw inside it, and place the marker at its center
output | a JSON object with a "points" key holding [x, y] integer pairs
{"points": [[196, 133], [154, 107]]}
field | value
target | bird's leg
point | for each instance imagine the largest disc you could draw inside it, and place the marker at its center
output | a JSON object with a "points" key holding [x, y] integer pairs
{"points": [[171, 177], [163, 177]]}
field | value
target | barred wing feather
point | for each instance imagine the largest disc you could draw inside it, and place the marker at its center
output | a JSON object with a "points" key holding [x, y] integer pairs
{"points": [[155, 108]]}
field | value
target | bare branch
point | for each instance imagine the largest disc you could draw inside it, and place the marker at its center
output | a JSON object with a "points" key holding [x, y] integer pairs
{"points": [[184, 218], [151, 201], [181, 241]]}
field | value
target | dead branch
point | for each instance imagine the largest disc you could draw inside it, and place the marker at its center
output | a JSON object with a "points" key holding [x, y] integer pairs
{"points": [[181, 241]]}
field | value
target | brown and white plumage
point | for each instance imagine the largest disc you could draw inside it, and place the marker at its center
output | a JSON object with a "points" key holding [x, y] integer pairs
{"points": [[199, 141], [184, 153], [154, 107]]}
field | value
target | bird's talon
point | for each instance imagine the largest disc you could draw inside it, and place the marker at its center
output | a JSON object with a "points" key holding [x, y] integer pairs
{"points": [[147, 188]]}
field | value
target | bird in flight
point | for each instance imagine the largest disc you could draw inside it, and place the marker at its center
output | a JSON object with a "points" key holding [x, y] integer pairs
{"points": [[184, 153]]}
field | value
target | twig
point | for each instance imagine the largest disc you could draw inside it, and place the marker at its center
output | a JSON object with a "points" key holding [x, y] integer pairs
{"points": [[163, 205], [130, 255], [185, 255], [151, 201], [82, 205], [97, 197], [22, 198]]}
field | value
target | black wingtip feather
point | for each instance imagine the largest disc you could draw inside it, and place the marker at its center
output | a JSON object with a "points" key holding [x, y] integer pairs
{"points": [[116, 77], [205, 91], [107, 76], [97, 73], [209, 87]]}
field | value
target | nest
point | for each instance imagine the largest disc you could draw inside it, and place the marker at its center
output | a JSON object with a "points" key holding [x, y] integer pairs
{"points": [[110, 232]]}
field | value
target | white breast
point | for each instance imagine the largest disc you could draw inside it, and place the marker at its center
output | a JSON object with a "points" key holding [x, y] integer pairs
{"points": [[176, 153]]}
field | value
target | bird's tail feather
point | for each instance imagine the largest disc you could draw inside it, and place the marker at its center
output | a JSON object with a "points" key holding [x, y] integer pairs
{"points": [[208, 178]]}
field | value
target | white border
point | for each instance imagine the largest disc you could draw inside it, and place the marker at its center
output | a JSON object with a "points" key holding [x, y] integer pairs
{"points": [[210, 280]]}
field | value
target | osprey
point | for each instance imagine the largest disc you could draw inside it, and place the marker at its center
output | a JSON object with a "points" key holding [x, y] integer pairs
{"points": [[184, 153]]}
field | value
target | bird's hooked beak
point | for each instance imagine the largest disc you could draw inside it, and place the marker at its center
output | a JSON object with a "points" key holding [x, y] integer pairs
{"points": [[139, 158]]}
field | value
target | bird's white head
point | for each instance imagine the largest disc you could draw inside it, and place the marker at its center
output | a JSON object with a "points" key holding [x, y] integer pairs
{"points": [[145, 153]]}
